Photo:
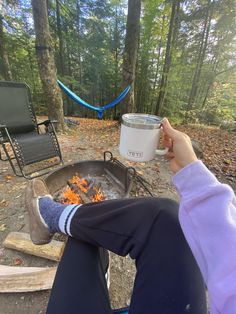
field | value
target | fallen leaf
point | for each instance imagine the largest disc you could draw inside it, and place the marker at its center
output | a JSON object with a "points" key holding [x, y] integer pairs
{"points": [[3, 203], [2, 252], [2, 227], [18, 261], [8, 177], [218, 147], [81, 148], [140, 172]]}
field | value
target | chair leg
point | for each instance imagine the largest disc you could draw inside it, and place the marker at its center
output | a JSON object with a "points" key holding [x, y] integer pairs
{"points": [[56, 143], [1, 157], [10, 160], [21, 172]]}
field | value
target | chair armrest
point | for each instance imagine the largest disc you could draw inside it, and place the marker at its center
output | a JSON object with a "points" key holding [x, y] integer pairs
{"points": [[3, 133], [49, 125], [46, 123]]}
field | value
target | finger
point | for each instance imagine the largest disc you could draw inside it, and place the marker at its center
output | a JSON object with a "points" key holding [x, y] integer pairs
{"points": [[167, 159], [170, 155], [167, 141], [168, 130]]}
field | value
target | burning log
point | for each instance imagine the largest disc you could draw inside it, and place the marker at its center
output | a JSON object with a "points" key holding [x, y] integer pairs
{"points": [[80, 190], [84, 198], [70, 197]]}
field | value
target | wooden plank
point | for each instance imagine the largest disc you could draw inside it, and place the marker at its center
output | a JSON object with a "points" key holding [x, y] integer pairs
{"points": [[21, 242], [26, 279]]}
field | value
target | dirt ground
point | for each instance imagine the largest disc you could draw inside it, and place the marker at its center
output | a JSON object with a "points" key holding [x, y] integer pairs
{"points": [[88, 141]]}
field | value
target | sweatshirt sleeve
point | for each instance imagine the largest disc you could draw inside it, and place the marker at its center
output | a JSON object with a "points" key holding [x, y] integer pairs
{"points": [[208, 218]]}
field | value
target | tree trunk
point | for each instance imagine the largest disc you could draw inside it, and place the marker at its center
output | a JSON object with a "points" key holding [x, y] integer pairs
{"points": [[4, 56], [60, 38], [78, 26], [200, 59], [167, 63], [46, 62], [160, 43], [143, 82], [131, 51], [116, 60], [209, 84]]}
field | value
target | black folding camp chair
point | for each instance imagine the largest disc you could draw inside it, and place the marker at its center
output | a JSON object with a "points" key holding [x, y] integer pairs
{"points": [[34, 146]]}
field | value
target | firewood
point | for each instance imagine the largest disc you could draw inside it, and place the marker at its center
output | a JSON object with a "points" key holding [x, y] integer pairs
{"points": [[83, 196], [25, 279], [21, 242], [58, 196]]}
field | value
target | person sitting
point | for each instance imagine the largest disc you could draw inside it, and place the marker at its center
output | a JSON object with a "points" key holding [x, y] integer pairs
{"points": [[178, 249]]}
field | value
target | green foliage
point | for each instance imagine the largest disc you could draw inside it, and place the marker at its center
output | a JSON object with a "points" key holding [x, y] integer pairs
{"points": [[88, 41]]}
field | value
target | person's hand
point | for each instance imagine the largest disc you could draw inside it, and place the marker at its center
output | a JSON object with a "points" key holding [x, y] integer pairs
{"points": [[181, 152]]}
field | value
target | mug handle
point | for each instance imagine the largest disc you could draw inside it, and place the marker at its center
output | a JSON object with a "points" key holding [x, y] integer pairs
{"points": [[162, 152]]}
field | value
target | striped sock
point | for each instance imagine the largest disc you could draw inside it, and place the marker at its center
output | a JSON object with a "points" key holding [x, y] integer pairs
{"points": [[57, 216], [66, 217]]}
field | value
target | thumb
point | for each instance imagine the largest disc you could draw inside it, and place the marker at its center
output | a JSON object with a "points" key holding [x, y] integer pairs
{"points": [[167, 128]]}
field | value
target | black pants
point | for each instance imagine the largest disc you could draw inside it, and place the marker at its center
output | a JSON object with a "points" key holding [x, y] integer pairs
{"points": [[168, 279]]}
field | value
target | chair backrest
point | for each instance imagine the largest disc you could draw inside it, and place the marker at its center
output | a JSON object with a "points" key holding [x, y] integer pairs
{"points": [[16, 110]]}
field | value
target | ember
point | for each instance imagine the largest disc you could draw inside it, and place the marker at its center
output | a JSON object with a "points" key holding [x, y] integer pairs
{"points": [[98, 197], [70, 197], [79, 190]]}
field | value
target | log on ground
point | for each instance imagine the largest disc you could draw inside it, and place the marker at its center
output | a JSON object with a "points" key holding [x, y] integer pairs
{"points": [[21, 242], [26, 279]]}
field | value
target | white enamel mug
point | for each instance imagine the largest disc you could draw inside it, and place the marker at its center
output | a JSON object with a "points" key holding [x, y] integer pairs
{"points": [[140, 136]]}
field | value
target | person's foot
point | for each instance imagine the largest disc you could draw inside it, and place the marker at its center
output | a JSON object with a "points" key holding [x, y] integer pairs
{"points": [[39, 231]]}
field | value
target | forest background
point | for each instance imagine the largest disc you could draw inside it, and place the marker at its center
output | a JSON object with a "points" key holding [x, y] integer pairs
{"points": [[182, 54], [178, 56]]}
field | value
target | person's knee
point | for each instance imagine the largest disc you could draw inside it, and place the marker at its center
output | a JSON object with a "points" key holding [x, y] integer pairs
{"points": [[168, 218], [158, 205], [145, 211], [165, 212], [158, 220], [169, 207]]}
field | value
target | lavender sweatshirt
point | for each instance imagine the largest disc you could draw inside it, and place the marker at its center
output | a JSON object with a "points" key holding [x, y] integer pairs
{"points": [[208, 219]]}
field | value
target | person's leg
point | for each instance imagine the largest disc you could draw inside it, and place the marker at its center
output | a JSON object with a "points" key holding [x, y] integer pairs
{"points": [[80, 285], [168, 279], [135, 227]]}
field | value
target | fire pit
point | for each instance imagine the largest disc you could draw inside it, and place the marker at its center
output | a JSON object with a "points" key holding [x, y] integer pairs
{"points": [[113, 178]]}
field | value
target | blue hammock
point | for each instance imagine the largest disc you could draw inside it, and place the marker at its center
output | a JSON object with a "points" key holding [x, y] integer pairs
{"points": [[100, 110]]}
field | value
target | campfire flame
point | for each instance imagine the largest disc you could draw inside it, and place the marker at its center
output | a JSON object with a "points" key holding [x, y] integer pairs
{"points": [[81, 183], [98, 197], [70, 197], [77, 184]]}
